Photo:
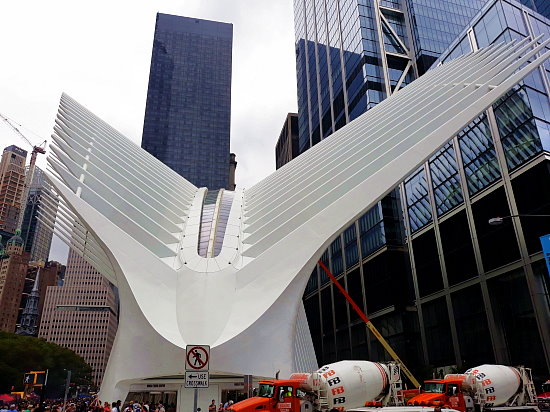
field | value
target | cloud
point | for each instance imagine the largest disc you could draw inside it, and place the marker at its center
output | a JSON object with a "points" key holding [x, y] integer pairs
{"points": [[99, 53]]}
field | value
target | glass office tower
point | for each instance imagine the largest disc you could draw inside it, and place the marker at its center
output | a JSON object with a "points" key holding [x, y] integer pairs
{"points": [[187, 115], [540, 6], [352, 54], [443, 286]]}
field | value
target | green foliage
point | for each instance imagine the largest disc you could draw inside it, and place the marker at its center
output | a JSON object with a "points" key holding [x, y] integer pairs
{"points": [[20, 354]]}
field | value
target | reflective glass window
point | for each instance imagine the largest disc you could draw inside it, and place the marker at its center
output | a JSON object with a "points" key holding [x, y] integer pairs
{"points": [[490, 26], [478, 155], [498, 244], [312, 282], [517, 126], [426, 262], [350, 245], [515, 317], [445, 179], [336, 257], [416, 189], [458, 249], [474, 340], [436, 327], [323, 277], [371, 231]]}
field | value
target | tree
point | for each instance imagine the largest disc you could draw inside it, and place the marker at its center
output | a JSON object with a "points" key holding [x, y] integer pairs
{"points": [[20, 354]]}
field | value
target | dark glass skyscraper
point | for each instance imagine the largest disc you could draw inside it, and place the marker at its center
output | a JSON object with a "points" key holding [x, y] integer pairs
{"points": [[540, 6], [187, 116], [352, 54], [444, 287]]}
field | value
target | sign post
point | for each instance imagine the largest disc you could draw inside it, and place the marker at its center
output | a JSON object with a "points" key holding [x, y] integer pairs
{"points": [[67, 385], [36, 379], [197, 359], [42, 380]]}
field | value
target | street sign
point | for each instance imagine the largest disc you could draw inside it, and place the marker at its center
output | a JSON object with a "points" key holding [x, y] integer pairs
{"points": [[196, 379], [40, 378], [196, 358], [35, 378], [545, 241], [29, 378]]}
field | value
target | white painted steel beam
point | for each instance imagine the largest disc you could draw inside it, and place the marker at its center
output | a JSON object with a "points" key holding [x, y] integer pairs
{"points": [[341, 172]]}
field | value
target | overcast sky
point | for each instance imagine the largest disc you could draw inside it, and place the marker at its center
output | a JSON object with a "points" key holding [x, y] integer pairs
{"points": [[99, 53]]}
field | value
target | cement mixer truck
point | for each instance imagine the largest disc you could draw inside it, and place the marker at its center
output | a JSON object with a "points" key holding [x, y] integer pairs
{"points": [[486, 387], [340, 385]]}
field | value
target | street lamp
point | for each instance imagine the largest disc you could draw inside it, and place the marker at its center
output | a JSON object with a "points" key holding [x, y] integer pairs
{"points": [[495, 221]]}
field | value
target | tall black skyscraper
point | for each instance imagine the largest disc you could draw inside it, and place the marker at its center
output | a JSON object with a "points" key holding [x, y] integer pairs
{"points": [[187, 116], [540, 6]]}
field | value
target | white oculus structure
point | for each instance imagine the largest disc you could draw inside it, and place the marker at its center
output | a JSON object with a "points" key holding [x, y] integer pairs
{"points": [[140, 223]]}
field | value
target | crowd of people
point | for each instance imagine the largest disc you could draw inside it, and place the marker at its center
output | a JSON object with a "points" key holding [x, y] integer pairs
{"points": [[79, 405], [95, 405]]}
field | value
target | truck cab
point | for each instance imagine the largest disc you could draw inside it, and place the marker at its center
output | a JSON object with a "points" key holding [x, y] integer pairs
{"points": [[276, 396], [545, 390], [443, 393]]}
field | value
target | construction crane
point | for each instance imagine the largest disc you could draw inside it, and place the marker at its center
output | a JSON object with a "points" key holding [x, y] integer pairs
{"points": [[371, 327], [28, 179]]}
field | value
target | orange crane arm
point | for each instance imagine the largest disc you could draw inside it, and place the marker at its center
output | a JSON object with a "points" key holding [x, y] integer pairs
{"points": [[371, 327]]}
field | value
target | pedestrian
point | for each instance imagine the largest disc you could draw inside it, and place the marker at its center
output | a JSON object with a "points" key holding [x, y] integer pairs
{"points": [[13, 408], [212, 406], [3, 407], [220, 407], [106, 407]]}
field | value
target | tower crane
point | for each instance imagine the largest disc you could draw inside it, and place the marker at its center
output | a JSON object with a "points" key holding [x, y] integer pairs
{"points": [[28, 179]]}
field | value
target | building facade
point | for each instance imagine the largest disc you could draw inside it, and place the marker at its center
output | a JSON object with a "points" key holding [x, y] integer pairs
{"points": [[12, 183], [30, 316], [353, 54], [286, 148], [188, 110], [35, 234], [540, 6], [13, 268], [444, 287], [82, 314], [51, 274]]}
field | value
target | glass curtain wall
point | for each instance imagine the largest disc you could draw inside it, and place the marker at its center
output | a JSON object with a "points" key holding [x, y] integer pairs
{"points": [[424, 263]]}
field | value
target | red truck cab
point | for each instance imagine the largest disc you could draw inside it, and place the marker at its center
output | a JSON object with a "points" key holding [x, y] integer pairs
{"points": [[445, 393], [545, 390], [273, 396]]}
